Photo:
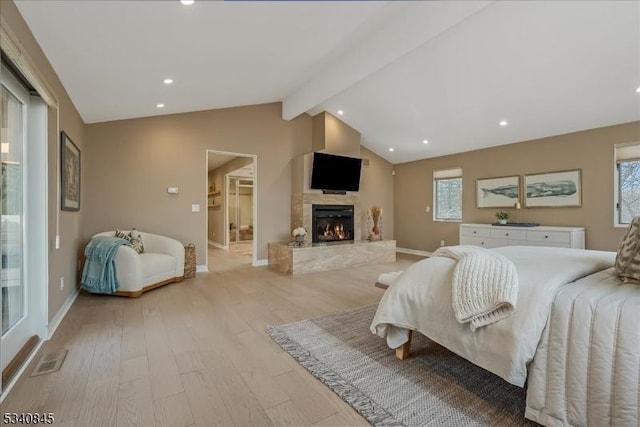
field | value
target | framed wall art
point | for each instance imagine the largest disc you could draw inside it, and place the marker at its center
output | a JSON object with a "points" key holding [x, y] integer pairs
{"points": [[561, 189], [501, 192], [69, 174]]}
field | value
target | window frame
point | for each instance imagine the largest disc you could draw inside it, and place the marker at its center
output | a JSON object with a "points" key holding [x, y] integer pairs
{"points": [[622, 153], [617, 205]]}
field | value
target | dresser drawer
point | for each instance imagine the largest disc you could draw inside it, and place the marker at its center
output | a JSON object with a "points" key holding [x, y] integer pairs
{"points": [[549, 236], [508, 234], [540, 243], [475, 232], [479, 241]]}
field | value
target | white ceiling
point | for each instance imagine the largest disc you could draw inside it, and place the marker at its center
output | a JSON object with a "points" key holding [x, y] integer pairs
{"points": [[402, 71]]}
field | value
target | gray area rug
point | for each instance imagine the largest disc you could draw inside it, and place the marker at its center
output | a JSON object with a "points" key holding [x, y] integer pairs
{"points": [[432, 388]]}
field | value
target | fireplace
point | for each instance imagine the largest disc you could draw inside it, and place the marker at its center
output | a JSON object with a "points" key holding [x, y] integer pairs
{"points": [[332, 223]]}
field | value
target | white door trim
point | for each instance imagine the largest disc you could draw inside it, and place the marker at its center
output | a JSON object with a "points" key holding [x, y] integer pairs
{"points": [[256, 223]]}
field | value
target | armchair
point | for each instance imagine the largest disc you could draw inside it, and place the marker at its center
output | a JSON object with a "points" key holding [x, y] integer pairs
{"points": [[161, 263]]}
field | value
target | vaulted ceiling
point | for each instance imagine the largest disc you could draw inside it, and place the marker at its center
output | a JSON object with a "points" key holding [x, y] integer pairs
{"points": [[401, 72]]}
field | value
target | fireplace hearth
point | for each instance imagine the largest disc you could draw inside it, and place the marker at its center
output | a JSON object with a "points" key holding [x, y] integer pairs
{"points": [[332, 223]]}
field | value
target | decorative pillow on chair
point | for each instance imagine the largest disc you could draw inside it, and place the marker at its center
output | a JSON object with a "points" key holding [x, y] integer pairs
{"points": [[134, 237], [122, 235], [136, 241], [628, 258]]}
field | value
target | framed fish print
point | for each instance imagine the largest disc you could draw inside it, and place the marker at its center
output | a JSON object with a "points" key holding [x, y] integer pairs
{"points": [[553, 189], [501, 192]]}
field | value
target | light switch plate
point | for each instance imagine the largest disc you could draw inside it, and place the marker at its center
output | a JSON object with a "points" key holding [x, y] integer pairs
{"points": [[172, 190], [195, 208]]}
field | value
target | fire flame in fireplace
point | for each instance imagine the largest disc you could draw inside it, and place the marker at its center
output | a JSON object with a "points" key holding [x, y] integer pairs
{"points": [[335, 232]]}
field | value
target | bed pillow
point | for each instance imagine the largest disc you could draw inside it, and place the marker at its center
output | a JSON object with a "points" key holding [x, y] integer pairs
{"points": [[134, 237], [627, 263]]}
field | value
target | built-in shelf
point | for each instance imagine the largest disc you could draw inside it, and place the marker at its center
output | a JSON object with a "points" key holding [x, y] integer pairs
{"points": [[211, 199]]}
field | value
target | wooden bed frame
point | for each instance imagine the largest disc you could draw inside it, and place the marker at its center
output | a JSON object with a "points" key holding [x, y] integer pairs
{"points": [[402, 352]]}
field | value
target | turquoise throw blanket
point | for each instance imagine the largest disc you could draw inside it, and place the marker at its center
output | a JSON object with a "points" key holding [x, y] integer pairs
{"points": [[99, 274]]}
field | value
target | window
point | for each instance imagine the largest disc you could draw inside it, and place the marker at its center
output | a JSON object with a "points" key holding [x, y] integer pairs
{"points": [[447, 195], [627, 182]]}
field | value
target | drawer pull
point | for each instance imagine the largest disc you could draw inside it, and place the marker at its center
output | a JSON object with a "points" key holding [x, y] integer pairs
{"points": [[546, 237], [482, 243], [475, 232], [506, 234]]}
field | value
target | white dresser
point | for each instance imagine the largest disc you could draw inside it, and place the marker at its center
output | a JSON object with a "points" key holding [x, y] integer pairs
{"points": [[493, 236]]}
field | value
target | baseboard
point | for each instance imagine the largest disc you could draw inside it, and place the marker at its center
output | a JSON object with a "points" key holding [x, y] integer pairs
{"points": [[202, 269], [414, 252], [260, 262], [57, 319], [216, 245], [6, 390]]}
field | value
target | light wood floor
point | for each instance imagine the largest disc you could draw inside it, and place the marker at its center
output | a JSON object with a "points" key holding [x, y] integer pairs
{"points": [[195, 353]]}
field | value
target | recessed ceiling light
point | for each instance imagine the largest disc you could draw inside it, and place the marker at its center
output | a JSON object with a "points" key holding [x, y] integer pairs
{"points": [[160, 106], [503, 123], [167, 81], [187, 2], [425, 141], [638, 90], [390, 149], [340, 112]]}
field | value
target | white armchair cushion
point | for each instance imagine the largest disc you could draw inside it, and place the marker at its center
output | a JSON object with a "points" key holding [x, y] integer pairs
{"points": [[157, 268]]}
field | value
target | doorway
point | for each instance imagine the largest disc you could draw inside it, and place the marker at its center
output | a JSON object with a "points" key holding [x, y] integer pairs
{"points": [[23, 229], [231, 205]]}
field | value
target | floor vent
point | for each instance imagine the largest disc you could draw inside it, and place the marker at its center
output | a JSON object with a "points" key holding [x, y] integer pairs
{"points": [[49, 362]]}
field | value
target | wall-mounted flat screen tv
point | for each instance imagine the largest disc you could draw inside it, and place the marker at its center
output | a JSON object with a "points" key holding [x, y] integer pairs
{"points": [[335, 173]]}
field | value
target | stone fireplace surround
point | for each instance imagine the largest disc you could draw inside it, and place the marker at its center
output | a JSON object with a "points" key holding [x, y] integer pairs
{"points": [[302, 210], [318, 257]]}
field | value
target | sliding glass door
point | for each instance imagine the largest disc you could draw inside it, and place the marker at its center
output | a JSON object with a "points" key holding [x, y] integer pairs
{"points": [[12, 283], [12, 224], [23, 210]]}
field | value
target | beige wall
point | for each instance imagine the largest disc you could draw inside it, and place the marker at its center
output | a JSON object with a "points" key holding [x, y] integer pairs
{"points": [[590, 150], [62, 262], [332, 135], [376, 188], [216, 215], [130, 164]]}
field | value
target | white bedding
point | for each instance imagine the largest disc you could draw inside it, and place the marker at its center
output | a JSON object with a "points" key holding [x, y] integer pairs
{"points": [[587, 367], [420, 299]]}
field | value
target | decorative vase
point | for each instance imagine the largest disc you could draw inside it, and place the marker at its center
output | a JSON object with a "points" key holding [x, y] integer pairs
{"points": [[502, 221], [374, 223], [375, 229]]}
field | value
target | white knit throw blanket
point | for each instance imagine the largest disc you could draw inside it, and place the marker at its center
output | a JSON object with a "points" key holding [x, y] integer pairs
{"points": [[484, 286]]}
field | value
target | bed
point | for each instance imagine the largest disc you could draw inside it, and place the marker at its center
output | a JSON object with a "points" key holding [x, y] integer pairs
{"points": [[547, 328], [586, 370]]}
